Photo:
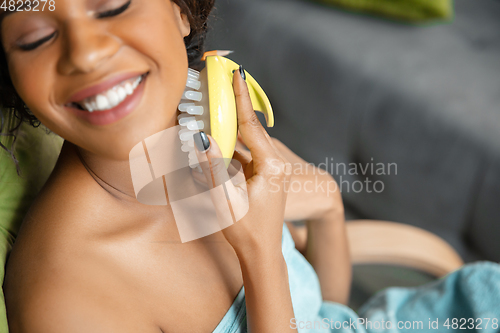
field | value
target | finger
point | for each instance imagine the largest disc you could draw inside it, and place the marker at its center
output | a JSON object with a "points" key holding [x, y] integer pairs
{"points": [[199, 177], [230, 202], [237, 173], [252, 132], [246, 160], [213, 167], [210, 160], [240, 139], [243, 157], [241, 146], [286, 152], [238, 165], [240, 142]]}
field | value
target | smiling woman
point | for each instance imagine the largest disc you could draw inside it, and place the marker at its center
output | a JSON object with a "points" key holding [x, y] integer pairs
{"points": [[105, 75], [66, 49]]}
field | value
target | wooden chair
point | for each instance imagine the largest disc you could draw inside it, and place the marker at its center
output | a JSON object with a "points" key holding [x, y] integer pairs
{"points": [[396, 244], [399, 244]]}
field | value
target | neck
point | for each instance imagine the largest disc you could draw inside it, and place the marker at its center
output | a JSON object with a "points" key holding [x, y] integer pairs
{"points": [[114, 176]]}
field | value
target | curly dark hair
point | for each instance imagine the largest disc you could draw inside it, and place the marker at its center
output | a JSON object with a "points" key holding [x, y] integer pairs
{"points": [[197, 12]]}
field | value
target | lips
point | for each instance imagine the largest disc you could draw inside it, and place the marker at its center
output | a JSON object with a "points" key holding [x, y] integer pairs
{"points": [[103, 86], [114, 112], [110, 98]]}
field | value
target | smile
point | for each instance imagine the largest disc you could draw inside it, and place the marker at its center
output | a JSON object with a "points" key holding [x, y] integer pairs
{"points": [[110, 98], [109, 101]]}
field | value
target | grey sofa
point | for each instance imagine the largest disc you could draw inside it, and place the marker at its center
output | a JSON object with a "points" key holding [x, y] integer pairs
{"points": [[351, 88]]}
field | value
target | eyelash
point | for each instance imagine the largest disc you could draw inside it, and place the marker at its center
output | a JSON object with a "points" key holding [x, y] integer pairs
{"points": [[32, 46], [109, 13], [115, 12]]}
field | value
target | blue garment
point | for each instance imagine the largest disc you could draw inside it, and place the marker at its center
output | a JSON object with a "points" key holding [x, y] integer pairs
{"points": [[466, 297]]}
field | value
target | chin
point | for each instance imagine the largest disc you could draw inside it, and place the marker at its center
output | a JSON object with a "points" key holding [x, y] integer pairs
{"points": [[118, 145]]}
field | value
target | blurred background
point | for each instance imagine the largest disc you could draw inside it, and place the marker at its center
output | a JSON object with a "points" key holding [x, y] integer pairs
{"points": [[367, 83]]}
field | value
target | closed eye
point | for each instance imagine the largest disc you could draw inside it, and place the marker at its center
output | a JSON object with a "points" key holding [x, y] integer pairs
{"points": [[34, 45], [109, 13], [114, 12]]}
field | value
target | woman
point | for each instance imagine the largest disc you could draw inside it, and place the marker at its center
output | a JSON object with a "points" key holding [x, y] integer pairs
{"points": [[91, 258], [103, 261]]}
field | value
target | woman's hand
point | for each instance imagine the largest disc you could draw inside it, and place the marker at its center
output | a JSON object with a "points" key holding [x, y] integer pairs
{"points": [[257, 208], [312, 192], [263, 191], [313, 196]]}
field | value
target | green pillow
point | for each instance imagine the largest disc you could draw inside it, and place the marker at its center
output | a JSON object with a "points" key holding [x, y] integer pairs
{"points": [[37, 153], [405, 10]]}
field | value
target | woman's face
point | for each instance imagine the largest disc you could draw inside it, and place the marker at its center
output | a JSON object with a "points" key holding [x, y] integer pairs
{"points": [[124, 60]]}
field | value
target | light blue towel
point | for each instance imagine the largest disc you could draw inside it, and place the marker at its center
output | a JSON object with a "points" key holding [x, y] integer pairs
{"points": [[466, 298]]}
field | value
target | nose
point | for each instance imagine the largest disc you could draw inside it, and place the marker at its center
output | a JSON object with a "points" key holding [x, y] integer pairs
{"points": [[86, 46]]}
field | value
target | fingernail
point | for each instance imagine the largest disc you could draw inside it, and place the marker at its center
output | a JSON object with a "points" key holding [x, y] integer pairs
{"points": [[242, 72], [201, 141]]}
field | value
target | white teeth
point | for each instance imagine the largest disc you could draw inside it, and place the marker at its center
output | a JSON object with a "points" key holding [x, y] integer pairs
{"points": [[111, 98], [193, 95], [128, 88], [136, 83], [102, 102], [122, 93], [88, 106]]}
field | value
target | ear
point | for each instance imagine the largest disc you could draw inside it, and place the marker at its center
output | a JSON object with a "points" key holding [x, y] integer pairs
{"points": [[182, 20]]}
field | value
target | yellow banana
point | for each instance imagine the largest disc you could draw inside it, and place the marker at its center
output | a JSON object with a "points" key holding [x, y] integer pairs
{"points": [[209, 103]]}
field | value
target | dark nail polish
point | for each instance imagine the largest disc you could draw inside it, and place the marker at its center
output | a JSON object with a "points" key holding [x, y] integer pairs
{"points": [[242, 72], [201, 141]]}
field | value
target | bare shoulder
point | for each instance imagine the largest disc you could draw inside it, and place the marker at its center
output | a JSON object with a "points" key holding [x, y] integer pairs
{"points": [[52, 272], [67, 197], [56, 221], [58, 307]]}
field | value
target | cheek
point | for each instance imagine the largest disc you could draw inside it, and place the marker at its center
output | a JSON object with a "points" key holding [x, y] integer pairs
{"points": [[151, 36], [158, 39], [34, 80], [26, 80], [155, 34]]}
